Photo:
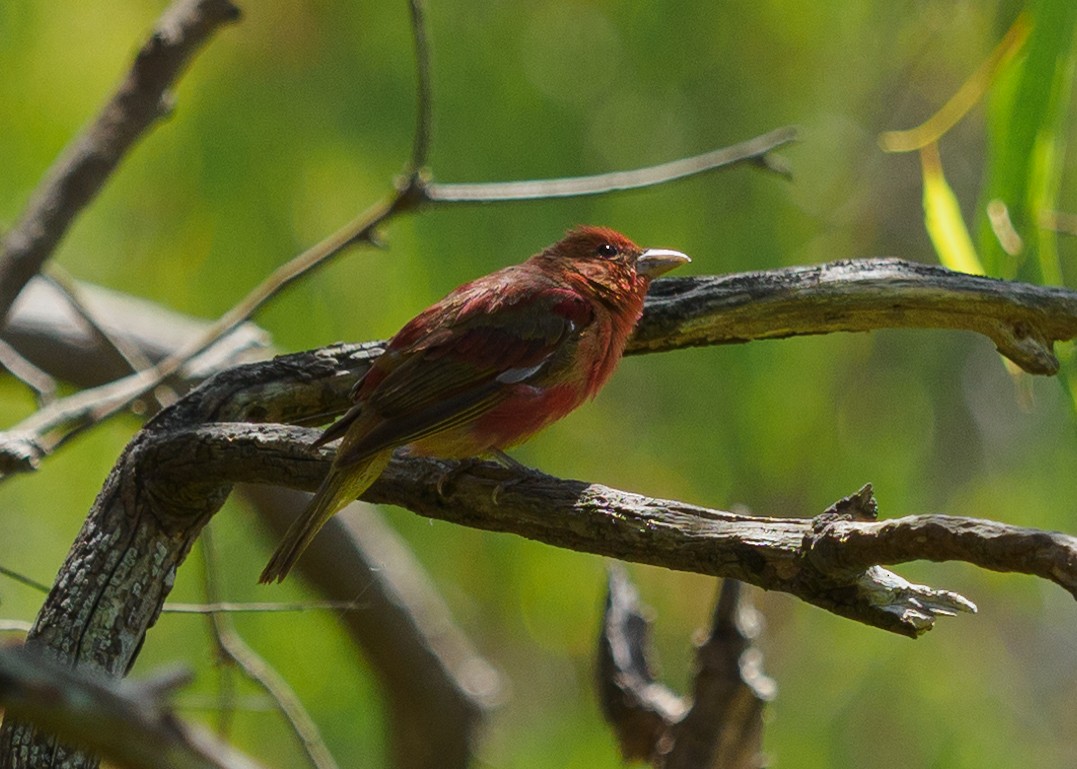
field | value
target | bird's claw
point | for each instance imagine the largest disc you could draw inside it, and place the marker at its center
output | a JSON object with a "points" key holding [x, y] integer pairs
{"points": [[445, 481], [507, 483], [448, 478]]}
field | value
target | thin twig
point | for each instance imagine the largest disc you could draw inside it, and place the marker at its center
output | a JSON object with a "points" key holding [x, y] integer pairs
{"points": [[754, 151], [51, 427], [235, 650], [423, 95], [24, 580], [69, 288], [217, 607], [64, 419], [43, 385], [260, 607], [86, 163]]}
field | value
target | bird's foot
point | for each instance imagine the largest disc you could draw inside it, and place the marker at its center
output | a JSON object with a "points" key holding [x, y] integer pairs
{"points": [[505, 460], [448, 478]]}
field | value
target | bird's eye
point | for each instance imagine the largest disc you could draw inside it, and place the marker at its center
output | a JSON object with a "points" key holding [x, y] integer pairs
{"points": [[606, 250]]}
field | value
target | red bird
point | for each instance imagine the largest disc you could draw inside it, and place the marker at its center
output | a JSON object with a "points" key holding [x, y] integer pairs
{"points": [[488, 366]]}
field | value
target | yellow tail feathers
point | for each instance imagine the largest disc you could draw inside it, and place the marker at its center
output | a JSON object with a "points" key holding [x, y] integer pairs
{"points": [[339, 488]]}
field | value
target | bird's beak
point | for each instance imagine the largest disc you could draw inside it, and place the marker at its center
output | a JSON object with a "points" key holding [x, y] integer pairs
{"points": [[658, 261]]}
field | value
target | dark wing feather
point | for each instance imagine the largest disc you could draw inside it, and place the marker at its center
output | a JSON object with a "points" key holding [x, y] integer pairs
{"points": [[443, 379]]}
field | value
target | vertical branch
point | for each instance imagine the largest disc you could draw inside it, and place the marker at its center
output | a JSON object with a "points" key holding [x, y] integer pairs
{"points": [[424, 99]]}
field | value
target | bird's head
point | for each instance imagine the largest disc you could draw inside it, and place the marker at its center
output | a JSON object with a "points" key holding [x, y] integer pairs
{"points": [[608, 259]]}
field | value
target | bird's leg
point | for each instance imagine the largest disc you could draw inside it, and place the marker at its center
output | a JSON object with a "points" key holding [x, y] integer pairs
{"points": [[445, 482]]}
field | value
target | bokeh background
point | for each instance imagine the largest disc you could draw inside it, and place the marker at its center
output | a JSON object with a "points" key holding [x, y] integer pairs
{"points": [[297, 118]]}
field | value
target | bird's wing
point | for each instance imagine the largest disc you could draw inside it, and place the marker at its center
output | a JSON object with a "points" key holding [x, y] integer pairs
{"points": [[436, 381]]}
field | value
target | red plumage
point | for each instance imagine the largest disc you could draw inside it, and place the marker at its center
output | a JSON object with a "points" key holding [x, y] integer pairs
{"points": [[488, 366]]}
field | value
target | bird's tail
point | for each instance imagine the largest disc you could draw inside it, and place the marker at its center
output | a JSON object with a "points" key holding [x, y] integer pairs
{"points": [[340, 487]]}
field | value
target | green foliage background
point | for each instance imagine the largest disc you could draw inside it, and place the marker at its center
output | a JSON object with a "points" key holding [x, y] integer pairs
{"points": [[297, 118]]}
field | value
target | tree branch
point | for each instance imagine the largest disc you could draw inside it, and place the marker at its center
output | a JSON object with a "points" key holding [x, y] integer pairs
{"points": [[786, 554], [756, 150], [178, 470], [1021, 319], [437, 686], [127, 723], [724, 727], [81, 170]]}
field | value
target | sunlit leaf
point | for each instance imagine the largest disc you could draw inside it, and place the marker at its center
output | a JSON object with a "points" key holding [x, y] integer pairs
{"points": [[1026, 140], [942, 218]]}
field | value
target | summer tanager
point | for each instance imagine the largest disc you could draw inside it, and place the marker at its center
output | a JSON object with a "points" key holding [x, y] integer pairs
{"points": [[488, 366]]}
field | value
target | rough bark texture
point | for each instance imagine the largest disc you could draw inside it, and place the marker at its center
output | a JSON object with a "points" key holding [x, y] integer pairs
{"points": [[177, 471]]}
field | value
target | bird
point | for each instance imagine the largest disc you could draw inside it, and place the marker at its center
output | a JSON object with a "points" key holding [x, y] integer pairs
{"points": [[488, 366]]}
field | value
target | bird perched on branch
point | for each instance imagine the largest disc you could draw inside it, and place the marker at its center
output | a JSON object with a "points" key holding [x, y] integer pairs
{"points": [[488, 366]]}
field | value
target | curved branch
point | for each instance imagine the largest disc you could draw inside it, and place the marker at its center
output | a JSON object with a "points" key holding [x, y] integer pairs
{"points": [[1023, 320], [786, 554], [80, 172], [756, 150], [176, 473]]}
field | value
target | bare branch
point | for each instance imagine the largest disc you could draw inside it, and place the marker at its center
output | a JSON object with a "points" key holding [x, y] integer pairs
{"points": [[786, 554], [81, 170], [721, 726], [70, 289], [437, 686], [46, 330], [640, 709], [423, 96], [127, 723], [724, 727], [178, 470], [1022, 320], [756, 150], [42, 385]]}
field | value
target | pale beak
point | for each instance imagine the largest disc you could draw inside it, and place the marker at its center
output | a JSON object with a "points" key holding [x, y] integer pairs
{"points": [[658, 261]]}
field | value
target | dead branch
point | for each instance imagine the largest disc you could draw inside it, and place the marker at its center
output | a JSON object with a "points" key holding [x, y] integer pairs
{"points": [[721, 725], [178, 470], [1021, 319], [723, 729], [126, 722], [81, 170]]}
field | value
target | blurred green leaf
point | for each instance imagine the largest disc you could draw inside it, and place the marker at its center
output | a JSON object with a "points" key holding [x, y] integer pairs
{"points": [[1026, 143], [942, 218]]}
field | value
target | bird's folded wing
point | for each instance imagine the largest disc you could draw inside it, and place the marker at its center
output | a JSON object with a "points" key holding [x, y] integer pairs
{"points": [[459, 372]]}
